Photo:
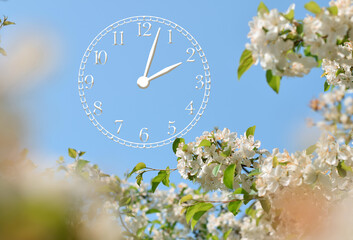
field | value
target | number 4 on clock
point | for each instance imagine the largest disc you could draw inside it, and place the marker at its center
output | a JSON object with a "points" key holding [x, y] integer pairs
{"points": [[190, 108]]}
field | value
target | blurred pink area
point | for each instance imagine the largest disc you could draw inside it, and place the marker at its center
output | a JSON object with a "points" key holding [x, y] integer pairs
{"points": [[32, 55]]}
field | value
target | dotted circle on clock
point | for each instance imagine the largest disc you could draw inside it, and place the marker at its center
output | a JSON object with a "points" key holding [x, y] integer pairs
{"points": [[144, 19]]}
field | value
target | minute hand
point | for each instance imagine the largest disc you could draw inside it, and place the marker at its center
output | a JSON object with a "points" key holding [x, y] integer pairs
{"points": [[152, 51], [164, 71]]}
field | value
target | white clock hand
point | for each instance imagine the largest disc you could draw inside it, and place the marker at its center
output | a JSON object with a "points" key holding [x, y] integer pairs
{"points": [[164, 71], [153, 50]]}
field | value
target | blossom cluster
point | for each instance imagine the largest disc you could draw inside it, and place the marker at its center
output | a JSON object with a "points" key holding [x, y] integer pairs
{"points": [[206, 160], [324, 174], [157, 215], [316, 178], [338, 71], [336, 107], [292, 47], [273, 42]]}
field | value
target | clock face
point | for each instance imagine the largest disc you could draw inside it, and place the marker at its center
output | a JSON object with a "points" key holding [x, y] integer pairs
{"points": [[144, 81]]}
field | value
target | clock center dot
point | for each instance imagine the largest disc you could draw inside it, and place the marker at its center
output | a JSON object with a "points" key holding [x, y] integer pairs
{"points": [[143, 82]]}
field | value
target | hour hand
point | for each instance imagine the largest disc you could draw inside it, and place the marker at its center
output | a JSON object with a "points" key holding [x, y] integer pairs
{"points": [[143, 82], [164, 71]]}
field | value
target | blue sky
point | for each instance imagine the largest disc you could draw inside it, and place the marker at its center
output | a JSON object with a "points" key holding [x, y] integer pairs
{"points": [[53, 113]]}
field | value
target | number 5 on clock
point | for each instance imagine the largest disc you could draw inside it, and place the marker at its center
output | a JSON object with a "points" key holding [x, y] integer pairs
{"points": [[172, 128]]}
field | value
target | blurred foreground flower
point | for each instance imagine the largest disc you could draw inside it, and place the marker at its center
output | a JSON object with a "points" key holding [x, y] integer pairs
{"points": [[36, 206], [27, 61]]}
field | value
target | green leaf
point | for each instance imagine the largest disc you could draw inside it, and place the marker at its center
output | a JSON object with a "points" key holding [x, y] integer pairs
{"points": [[300, 28], [185, 198], [273, 81], [250, 212], [226, 153], [339, 107], [216, 169], [265, 204], [139, 178], [138, 167], [158, 179], [326, 86], [240, 191], [214, 237], [284, 32], [313, 7], [262, 8], [205, 143], [124, 201], [196, 218], [8, 23], [258, 220], [176, 143], [342, 172], [247, 198], [140, 232], [254, 172], [339, 71], [289, 16], [307, 51], [72, 153], [245, 194], [81, 154], [3, 52], [274, 161], [165, 181], [228, 176], [61, 160], [234, 207], [311, 149], [246, 61], [153, 210], [250, 131], [333, 10], [226, 234], [199, 207], [319, 63], [345, 167], [81, 164]]}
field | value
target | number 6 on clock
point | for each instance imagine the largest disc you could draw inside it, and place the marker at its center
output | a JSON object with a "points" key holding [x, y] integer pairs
{"points": [[143, 133]]}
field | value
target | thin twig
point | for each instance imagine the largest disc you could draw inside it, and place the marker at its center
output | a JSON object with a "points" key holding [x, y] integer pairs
{"points": [[123, 223], [154, 169]]}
